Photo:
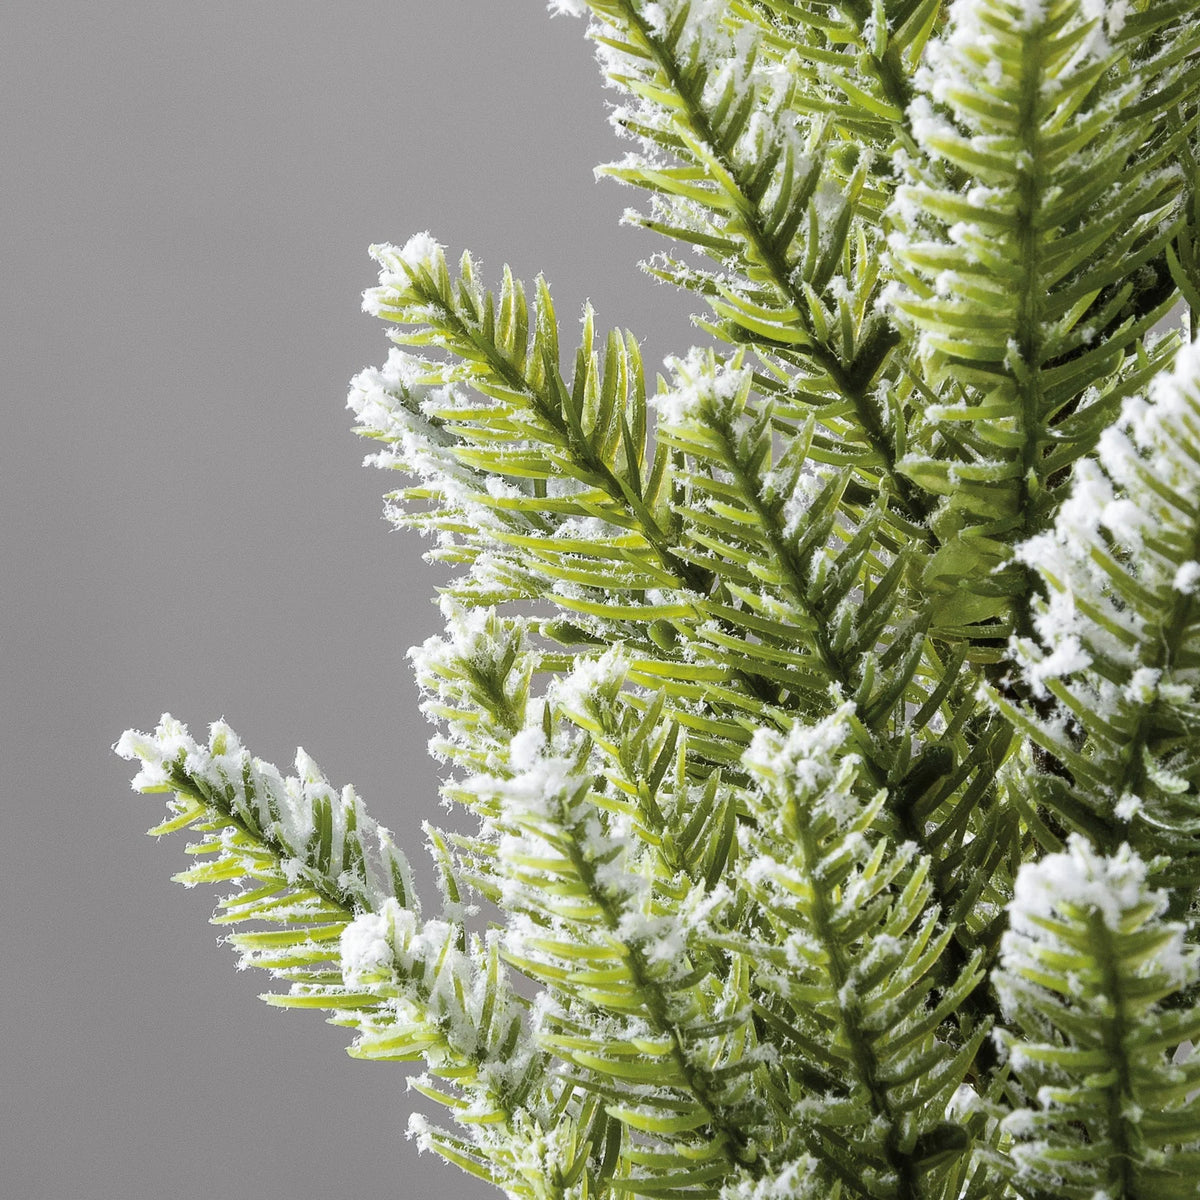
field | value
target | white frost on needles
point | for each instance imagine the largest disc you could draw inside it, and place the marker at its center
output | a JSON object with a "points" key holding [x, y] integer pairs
{"points": [[374, 392], [173, 761], [1054, 901], [432, 983], [702, 21], [279, 810], [1187, 578], [799, 1180], [390, 404], [701, 384], [805, 755], [420, 252], [397, 266], [808, 762], [158, 752], [591, 679], [1081, 880], [953, 63], [538, 786], [366, 945], [1140, 494]]}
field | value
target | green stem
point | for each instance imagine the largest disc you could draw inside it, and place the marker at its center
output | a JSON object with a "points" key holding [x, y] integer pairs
{"points": [[656, 1008], [1030, 305], [1120, 1092], [866, 1065]]}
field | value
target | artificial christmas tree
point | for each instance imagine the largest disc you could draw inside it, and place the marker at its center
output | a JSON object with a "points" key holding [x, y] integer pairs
{"points": [[828, 706]]}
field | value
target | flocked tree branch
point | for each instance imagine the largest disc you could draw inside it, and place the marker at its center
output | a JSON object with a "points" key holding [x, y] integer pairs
{"points": [[822, 709]]}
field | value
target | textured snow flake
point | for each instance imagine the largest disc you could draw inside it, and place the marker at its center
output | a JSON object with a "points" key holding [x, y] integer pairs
{"points": [[158, 752], [799, 1180], [419, 251], [1080, 878], [1187, 578], [655, 15], [538, 782], [927, 124], [1126, 521], [396, 263], [1066, 657], [1143, 685], [420, 1131], [805, 755], [470, 639], [377, 387], [808, 765], [1079, 516], [1128, 807], [963, 1103], [700, 381], [661, 940], [590, 678], [527, 747], [367, 944]]}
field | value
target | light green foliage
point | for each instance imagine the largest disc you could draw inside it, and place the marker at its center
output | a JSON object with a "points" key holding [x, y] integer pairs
{"points": [[1019, 286], [1119, 639], [826, 706], [1084, 974]]}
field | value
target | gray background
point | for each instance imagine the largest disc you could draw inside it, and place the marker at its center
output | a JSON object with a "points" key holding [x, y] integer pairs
{"points": [[188, 194]]}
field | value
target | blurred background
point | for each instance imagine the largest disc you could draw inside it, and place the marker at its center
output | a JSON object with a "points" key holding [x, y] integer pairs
{"points": [[189, 191]]}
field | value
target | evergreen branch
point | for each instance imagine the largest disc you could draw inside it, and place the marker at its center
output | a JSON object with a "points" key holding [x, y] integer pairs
{"points": [[730, 452], [1119, 646], [645, 760], [859, 633], [513, 360], [676, 1061], [480, 681], [1090, 974], [476, 684], [735, 512], [331, 847], [995, 247], [853, 948], [858, 57], [759, 198], [616, 519], [343, 927]]}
